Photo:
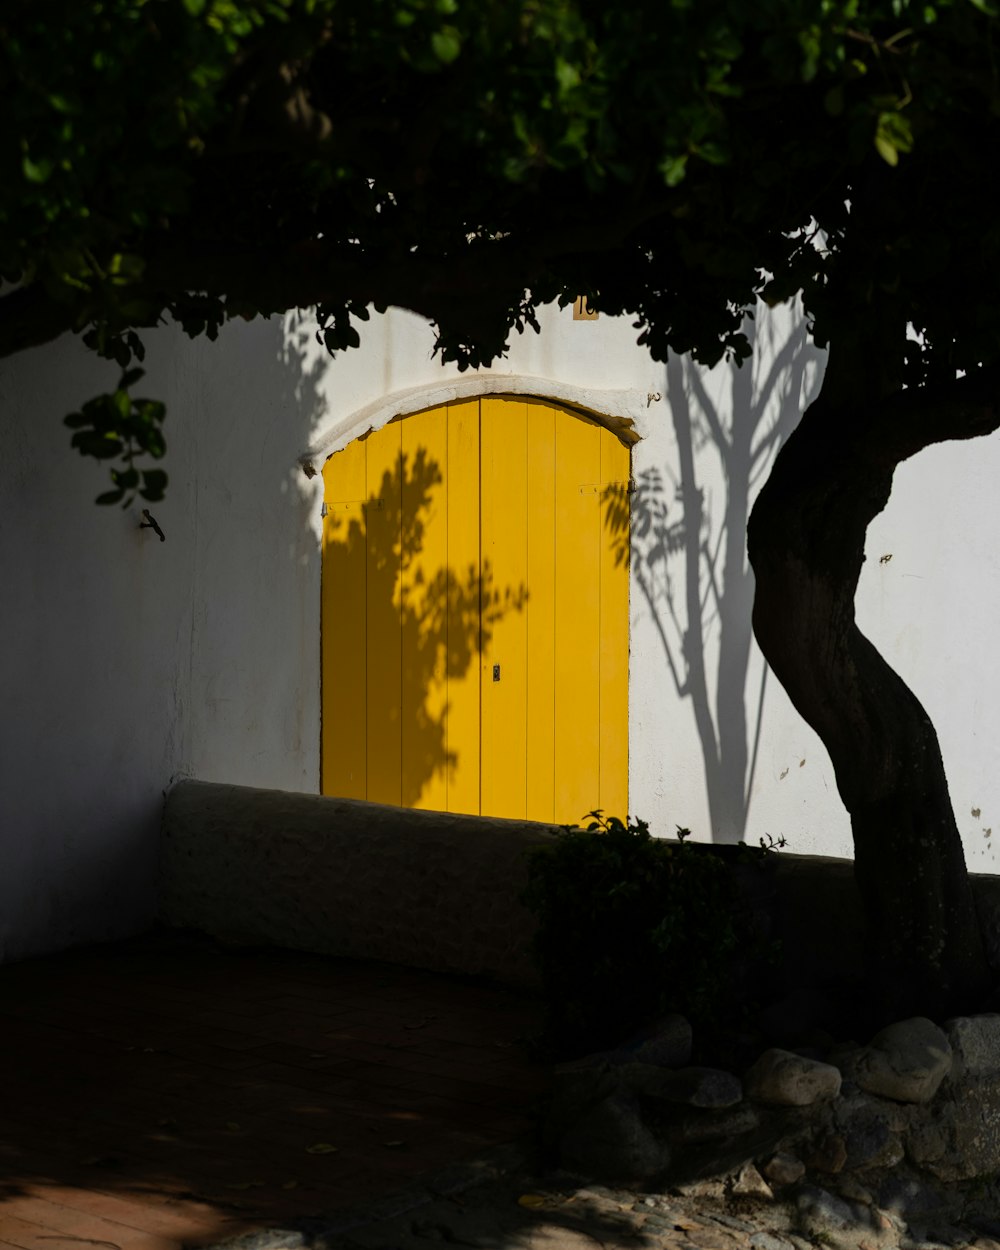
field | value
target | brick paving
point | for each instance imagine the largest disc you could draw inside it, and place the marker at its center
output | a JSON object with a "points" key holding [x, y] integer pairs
{"points": [[163, 1093]]}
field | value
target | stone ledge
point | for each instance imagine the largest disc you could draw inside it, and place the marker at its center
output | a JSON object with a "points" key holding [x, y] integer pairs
{"points": [[340, 877]]}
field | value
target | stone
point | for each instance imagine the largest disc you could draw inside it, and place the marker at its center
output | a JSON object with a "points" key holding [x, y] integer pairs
{"points": [[870, 1129], [909, 1198], [841, 1225], [666, 1043], [963, 1139], [927, 1141], [576, 1088], [729, 1221], [658, 1223], [784, 1169], [850, 1187], [555, 1237], [828, 1154], [750, 1184], [768, 1241], [721, 1126], [708, 1187], [906, 1061], [610, 1141], [821, 1213], [975, 1044], [709, 1239], [782, 1078], [709, 1088]]}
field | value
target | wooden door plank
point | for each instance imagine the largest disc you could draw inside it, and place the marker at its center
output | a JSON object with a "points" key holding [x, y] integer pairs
{"points": [[464, 606], [577, 600], [384, 531], [343, 629], [504, 688], [540, 610], [424, 609]]}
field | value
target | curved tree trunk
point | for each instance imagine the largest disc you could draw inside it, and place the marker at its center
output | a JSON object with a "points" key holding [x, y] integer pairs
{"points": [[806, 543]]}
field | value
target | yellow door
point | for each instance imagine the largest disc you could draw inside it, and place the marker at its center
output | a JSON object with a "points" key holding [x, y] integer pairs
{"points": [[475, 613]]}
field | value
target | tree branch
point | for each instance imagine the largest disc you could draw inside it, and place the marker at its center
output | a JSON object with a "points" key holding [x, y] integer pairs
{"points": [[916, 418], [29, 317]]}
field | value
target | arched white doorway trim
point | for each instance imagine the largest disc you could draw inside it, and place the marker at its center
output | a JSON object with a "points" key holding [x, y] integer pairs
{"points": [[618, 410]]}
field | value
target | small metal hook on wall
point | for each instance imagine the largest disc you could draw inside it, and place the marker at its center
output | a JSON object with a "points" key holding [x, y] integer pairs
{"points": [[149, 523]]}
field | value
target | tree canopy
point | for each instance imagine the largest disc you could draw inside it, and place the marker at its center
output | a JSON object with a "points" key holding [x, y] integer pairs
{"points": [[674, 160], [204, 159]]}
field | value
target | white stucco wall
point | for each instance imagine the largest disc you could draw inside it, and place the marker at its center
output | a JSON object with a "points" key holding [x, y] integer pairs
{"points": [[127, 662]]}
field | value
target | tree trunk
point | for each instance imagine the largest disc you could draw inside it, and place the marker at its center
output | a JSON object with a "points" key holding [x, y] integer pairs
{"points": [[806, 543]]}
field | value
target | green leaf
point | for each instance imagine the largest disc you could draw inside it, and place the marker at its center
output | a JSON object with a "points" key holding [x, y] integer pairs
{"points": [[892, 136], [109, 497], [673, 169], [154, 483], [567, 75], [36, 171], [446, 44], [887, 150]]}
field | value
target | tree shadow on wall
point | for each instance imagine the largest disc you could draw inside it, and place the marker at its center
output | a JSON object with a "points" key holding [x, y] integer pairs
{"points": [[425, 624], [688, 546]]}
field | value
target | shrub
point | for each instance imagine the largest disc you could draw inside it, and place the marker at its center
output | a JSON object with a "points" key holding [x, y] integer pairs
{"points": [[631, 927]]}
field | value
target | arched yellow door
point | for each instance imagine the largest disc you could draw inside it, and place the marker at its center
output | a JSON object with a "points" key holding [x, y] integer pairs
{"points": [[475, 613]]}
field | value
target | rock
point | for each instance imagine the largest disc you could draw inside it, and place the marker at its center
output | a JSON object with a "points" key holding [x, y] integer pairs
{"points": [[785, 1079], [610, 1141], [828, 1154], [906, 1061], [963, 1138], [784, 1169], [975, 1044], [768, 1241], [729, 1221], [851, 1188], [666, 1043], [830, 1219], [710, 1088], [909, 1198], [553, 1237], [750, 1184], [576, 1088], [723, 1126], [928, 1140], [709, 1187], [870, 1130]]}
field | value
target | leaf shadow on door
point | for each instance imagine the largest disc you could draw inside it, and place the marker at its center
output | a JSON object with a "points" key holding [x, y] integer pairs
{"points": [[429, 622]]}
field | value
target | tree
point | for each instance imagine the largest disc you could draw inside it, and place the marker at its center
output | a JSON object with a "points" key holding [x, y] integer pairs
{"points": [[204, 159]]}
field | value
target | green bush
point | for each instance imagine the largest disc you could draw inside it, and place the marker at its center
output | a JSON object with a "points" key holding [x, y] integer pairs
{"points": [[631, 927]]}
